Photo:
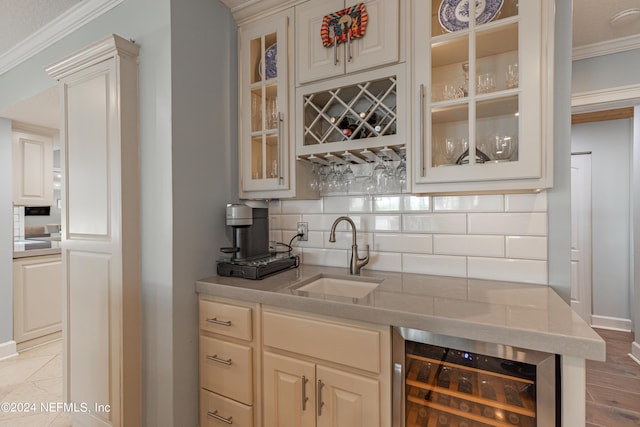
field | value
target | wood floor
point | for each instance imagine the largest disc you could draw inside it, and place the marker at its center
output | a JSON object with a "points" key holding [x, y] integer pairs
{"points": [[613, 387]]}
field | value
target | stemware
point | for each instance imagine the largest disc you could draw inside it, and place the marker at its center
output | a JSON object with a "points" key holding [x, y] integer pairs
{"points": [[348, 177], [502, 147], [401, 173], [379, 176]]}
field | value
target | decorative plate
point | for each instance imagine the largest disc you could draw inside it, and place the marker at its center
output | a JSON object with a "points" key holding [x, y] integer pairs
{"points": [[338, 26], [271, 61], [454, 14]]}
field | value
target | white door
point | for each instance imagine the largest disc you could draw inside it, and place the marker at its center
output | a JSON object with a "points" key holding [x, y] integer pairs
{"points": [[581, 235]]}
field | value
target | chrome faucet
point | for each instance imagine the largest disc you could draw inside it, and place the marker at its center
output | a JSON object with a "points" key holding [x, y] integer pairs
{"points": [[356, 262]]}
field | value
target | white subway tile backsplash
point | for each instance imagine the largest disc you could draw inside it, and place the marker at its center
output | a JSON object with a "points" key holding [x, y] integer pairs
{"points": [[388, 203], [384, 261], [526, 247], [328, 257], [289, 222], [454, 223], [417, 203], [434, 264], [525, 224], [347, 204], [536, 202], [402, 242], [388, 222], [450, 244], [492, 203], [519, 270], [275, 207], [500, 237], [301, 206]]}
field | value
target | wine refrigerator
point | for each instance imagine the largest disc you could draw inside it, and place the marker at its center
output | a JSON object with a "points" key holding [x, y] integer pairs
{"points": [[442, 381]]}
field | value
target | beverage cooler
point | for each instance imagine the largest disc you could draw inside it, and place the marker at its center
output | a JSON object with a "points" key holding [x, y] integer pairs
{"points": [[444, 381]]}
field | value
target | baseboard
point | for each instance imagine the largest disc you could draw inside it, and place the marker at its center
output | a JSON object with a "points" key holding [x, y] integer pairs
{"points": [[613, 323], [7, 350], [635, 352], [39, 341]]}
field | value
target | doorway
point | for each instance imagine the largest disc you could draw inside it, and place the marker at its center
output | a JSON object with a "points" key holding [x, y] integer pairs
{"points": [[606, 140]]}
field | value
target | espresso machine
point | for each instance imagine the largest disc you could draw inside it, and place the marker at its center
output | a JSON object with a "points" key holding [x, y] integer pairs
{"points": [[250, 257]]}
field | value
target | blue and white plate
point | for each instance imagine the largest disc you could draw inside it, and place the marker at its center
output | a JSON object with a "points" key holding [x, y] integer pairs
{"points": [[271, 61], [454, 14]]}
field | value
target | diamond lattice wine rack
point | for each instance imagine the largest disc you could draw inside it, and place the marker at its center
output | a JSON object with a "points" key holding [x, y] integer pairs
{"points": [[351, 126], [364, 110], [354, 118]]}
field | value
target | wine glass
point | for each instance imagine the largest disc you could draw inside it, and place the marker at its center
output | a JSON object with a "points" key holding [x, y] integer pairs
{"points": [[401, 173], [502, 147], [379, 176], [348, 177]]}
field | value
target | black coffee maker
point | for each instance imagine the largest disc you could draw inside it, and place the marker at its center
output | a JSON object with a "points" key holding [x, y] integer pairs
{"points": [[250, 232]]}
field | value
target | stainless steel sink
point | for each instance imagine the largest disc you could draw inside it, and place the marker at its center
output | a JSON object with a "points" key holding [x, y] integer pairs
{"points": [[326, 285]]}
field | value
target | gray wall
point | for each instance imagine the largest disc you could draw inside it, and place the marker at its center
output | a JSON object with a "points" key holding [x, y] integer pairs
{"points": [[186, 172], [607, 71], [559, 197], [6, 230], [610, 144], [204, 123], [635, 290]]}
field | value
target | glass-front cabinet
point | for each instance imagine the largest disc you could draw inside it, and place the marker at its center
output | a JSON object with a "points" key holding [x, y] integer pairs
{"points": [[480, 83], [264, 106]]}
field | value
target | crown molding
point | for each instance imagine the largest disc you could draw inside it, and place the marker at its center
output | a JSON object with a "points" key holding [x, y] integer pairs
{"points": [[63, 25], [606, 48], [245, 11], [605, 99]]}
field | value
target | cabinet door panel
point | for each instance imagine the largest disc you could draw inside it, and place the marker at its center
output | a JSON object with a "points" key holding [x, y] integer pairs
{"points": [[32, 169], [287, 382], [380, 44], [314, 61], [348, 400]]}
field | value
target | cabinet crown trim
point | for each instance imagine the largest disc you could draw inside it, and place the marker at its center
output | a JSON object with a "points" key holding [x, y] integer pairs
{"points": [[108, 47]]}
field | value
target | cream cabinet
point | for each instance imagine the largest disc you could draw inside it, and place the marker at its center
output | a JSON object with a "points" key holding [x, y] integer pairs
{"points": [[37, 299], [32, 169], [338, 54], [482, 96], [101, 230], [267, 165], [227, 363], [340, 377]]}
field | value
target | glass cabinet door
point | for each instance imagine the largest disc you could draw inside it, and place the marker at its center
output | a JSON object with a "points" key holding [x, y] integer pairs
{"points": [[263, 150], [478, 72]]}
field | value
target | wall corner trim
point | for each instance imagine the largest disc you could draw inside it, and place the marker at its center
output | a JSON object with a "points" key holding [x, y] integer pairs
{"points": [[8, 350]]}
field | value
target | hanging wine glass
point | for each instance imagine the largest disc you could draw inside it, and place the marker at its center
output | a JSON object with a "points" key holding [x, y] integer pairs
{"points": [[348, 177]]}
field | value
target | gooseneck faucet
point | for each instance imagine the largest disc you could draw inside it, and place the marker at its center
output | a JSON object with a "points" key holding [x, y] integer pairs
{"points": [[356, 262]]}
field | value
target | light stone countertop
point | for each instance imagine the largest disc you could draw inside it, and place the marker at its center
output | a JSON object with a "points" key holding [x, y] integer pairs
{"points": [[35, 247], [516, 314]]}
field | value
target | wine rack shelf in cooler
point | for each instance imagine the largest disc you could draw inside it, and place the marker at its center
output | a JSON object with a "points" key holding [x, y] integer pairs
{"points": [[440, 393]]}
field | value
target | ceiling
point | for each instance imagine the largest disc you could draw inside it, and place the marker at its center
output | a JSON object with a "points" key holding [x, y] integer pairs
{"points": [[596, 30]]}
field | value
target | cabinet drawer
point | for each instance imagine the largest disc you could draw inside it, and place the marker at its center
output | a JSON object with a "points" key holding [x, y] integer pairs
{"points": [[225, 319], [216, 411], [226, 368], [347, 345]]}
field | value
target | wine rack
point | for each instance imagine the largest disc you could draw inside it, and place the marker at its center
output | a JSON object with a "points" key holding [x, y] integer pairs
{"points": [[357, 114], [441, 393]]}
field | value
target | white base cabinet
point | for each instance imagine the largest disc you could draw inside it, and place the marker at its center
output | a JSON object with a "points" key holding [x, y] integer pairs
{"points": [[227, 364], [320, 372], [262, 366], [37, 299], [32, 169]]}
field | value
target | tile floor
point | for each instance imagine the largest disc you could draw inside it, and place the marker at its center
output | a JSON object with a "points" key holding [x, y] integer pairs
{"points": [[33, 377]]}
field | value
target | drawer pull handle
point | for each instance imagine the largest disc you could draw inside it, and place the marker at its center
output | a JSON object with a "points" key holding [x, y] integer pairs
{"points": [[220, 322], [305, 380], [215, 358], [215, 416], [319, 402]]}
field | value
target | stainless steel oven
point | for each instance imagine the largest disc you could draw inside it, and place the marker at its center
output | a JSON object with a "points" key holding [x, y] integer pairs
{"points": [[445, 381]]}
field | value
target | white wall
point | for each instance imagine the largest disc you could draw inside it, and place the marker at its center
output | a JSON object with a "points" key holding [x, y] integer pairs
{"points": [[181, 203], [610, 143], [6, 230]]}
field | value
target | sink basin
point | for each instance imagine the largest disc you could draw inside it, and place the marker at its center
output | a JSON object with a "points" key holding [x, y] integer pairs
{"points": [[352, 287]]}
